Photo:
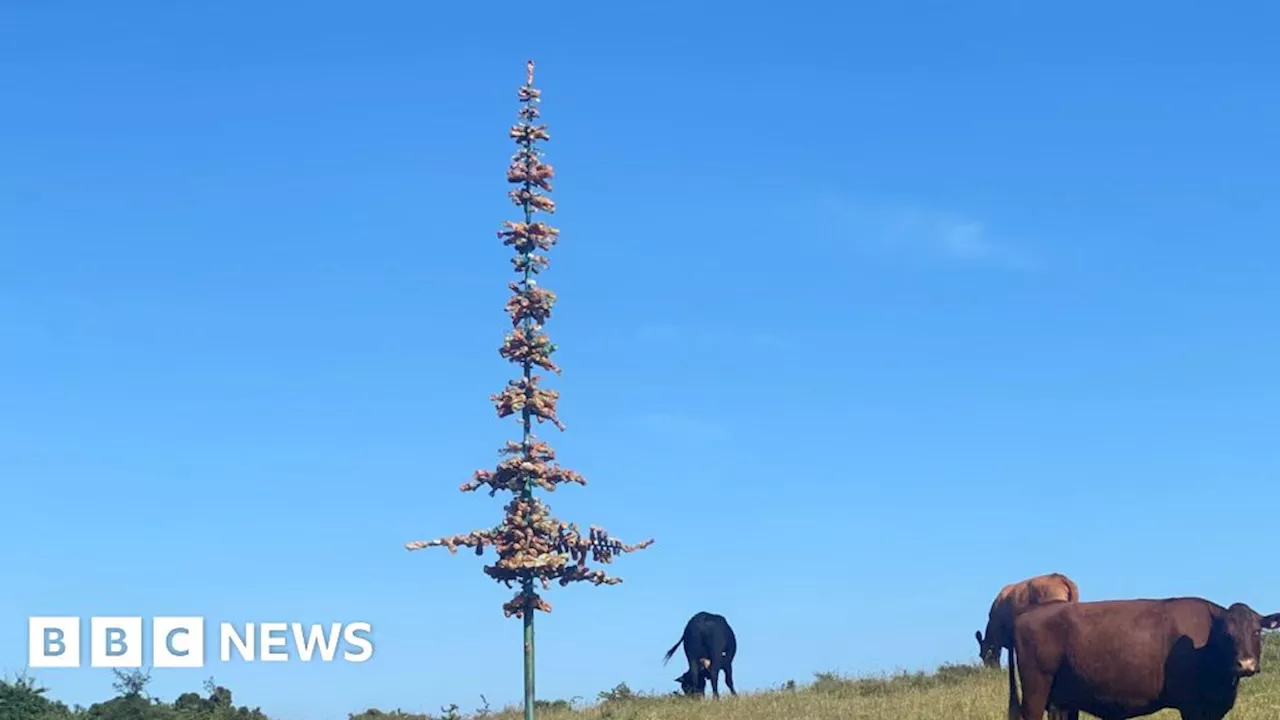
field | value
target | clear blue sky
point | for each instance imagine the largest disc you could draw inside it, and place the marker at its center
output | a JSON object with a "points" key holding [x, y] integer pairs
{"points": [[865, 310]]}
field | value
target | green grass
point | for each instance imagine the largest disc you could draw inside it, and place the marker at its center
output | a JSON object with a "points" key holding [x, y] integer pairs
{"points": [[965, 692], [962, 692]]}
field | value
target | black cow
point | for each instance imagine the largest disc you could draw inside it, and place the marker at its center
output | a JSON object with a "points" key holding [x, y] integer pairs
{"points": [[1119, 659], [709, 646]]}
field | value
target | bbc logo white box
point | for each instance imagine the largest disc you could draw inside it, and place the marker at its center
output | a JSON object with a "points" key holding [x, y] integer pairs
{"points": [[177, 642], [53, 642], [115, 642]]}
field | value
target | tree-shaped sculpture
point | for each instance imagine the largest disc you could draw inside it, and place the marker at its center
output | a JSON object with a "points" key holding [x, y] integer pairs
{"points": [[531, 544]]}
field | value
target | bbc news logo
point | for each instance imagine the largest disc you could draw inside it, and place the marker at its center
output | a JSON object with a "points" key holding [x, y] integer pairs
{"points": [[179, 642]]}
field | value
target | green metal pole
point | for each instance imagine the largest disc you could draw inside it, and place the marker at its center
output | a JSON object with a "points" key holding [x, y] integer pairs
{"points": [[527, 423], [528, 653], [527, 418], [527, 584]]}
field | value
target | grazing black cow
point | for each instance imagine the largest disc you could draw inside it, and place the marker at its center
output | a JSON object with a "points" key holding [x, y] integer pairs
{"points": [[1119, 659], [709, 646]]}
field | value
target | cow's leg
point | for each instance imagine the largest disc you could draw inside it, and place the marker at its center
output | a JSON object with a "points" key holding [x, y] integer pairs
{"points": [[1033, 705], [1035, 695], [713, 669], [695, 673], [728, 678]]}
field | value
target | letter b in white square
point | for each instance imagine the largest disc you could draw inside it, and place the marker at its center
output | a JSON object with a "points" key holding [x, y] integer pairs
{"points": [[115, 642], [177, 642], [53, 642]]}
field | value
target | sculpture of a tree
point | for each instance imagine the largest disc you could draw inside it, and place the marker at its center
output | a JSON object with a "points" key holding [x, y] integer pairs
{"points": [[532, 546]]}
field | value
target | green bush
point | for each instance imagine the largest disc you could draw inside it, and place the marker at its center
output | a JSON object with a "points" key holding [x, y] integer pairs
{"points": [[22, 699]]}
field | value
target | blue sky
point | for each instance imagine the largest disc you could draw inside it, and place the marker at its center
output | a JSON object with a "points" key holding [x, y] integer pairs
{"points": [[865, 310]]}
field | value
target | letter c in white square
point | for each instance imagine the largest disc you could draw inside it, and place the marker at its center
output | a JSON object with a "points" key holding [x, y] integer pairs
{"points": [[177, 642]]}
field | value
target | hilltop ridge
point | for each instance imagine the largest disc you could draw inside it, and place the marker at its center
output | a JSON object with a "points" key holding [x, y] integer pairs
{"points": [[964, 691]]}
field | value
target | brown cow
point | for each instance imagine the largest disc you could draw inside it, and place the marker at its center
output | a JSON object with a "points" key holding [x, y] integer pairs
{"points": [[1013, 599], [1119, 659]]}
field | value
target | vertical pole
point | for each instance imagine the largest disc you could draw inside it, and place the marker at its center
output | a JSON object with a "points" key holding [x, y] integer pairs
{"points": [[527, 440], [528, 651]]}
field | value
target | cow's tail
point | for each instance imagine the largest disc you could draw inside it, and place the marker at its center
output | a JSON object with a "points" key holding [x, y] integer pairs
{"points": [[1015, 707], [672, 651]]}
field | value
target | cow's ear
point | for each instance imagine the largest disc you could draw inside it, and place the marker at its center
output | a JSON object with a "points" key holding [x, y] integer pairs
{"points": [[978, 634], [1271, 622]]}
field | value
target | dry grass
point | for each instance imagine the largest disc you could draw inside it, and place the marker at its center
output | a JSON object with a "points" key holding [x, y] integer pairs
{"points": [[957, 691]]}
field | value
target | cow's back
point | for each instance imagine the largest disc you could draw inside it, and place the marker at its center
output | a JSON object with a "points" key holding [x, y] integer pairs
{"points": [[706, 631], [1052, 587]]}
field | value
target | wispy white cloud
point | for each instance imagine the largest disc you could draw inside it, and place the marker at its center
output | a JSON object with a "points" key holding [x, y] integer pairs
{"points": [[915, 230], [683, 426]]}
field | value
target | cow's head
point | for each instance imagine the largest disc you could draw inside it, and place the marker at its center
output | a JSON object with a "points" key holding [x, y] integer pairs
{"points": [[690, 686], [988, 651], [687, 686], [695, 686], [1239, 634]]}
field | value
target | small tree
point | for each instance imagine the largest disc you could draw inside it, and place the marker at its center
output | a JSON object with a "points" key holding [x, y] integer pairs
{"points": [[131, 683], [531, 544]]}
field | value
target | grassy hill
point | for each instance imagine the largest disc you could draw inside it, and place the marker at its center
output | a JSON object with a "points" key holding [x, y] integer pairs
{"points": [[964, 692]]}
